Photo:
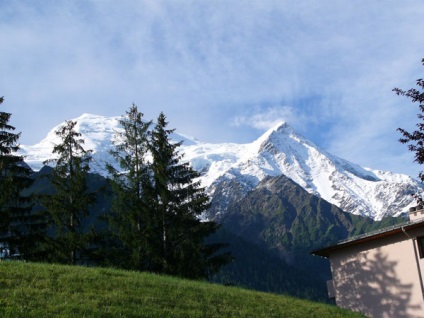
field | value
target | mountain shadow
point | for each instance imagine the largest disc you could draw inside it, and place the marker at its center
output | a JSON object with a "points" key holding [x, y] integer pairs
{"points": [[256, 268]]}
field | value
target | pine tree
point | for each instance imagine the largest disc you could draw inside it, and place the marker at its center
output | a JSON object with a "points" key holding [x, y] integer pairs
{"points": [[19, 232], [415, 140], [69, 203], [178, 202], [130, 220]]}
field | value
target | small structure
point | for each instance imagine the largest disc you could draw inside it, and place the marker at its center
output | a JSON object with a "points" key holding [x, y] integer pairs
{"points": [[380, 274]]}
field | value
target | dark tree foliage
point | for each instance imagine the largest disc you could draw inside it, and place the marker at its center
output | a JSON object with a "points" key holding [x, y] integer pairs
{"points": [[19, 228], [130, 220], [178, 201], [68, 205], [415, 139], [156, 204]]}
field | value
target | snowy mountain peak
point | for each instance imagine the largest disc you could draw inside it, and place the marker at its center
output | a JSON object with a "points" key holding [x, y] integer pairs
{"points": [[97, 132], [283, 128], [355, 189], [280, 129], [280, 150]]}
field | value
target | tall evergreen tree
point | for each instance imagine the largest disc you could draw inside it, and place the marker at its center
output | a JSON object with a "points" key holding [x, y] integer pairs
{"points": [[415, 139], [69, 203], [19, 232], [178, 201], [130, 219]]}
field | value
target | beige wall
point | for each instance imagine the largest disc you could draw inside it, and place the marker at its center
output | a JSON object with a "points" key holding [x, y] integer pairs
{"points": [[380, 278], [416, 215]]}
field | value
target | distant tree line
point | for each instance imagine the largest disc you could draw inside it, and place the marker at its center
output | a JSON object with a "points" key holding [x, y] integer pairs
{"points": [[153, 223]]}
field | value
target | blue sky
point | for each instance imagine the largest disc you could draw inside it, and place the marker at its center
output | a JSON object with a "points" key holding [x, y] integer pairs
{"points": [[222, 71]]}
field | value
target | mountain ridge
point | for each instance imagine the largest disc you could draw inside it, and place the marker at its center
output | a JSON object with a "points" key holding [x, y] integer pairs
{"points": [[280, 150]]}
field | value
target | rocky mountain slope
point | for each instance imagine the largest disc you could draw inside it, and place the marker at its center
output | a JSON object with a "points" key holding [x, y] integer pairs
{"points": [[230, 171]]}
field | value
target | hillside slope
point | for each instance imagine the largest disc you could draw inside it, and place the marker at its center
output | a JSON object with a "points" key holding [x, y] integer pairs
{"points": [[284, 219], [40, 290]]}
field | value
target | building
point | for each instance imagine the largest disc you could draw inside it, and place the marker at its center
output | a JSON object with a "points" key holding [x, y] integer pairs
{"points": [[380, 274]]}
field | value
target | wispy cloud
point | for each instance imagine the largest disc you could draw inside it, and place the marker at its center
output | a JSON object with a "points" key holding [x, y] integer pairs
{"points": [[221, 70], [264, 118]]}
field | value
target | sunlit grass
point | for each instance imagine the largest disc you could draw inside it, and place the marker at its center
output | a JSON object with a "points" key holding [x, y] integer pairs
{"points": [[41, 290]]}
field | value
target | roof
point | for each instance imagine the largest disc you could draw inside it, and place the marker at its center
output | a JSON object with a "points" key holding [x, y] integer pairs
{"points": [[359, 239]]}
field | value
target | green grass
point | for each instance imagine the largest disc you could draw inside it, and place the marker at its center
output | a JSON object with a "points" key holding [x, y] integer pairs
{"points": [[41, 290]]}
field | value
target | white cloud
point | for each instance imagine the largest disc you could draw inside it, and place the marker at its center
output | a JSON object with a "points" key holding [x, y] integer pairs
{"points": [[264, 118]]}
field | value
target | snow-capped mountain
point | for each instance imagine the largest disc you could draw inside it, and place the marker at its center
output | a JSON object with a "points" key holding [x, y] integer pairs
{"points": [[97, 131], [280, 150]]}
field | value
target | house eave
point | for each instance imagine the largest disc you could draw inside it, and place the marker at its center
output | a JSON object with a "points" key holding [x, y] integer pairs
{"points": [[363, 238]]}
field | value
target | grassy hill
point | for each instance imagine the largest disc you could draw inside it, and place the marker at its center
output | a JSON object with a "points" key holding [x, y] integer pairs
{"points": [[40, 290]]}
